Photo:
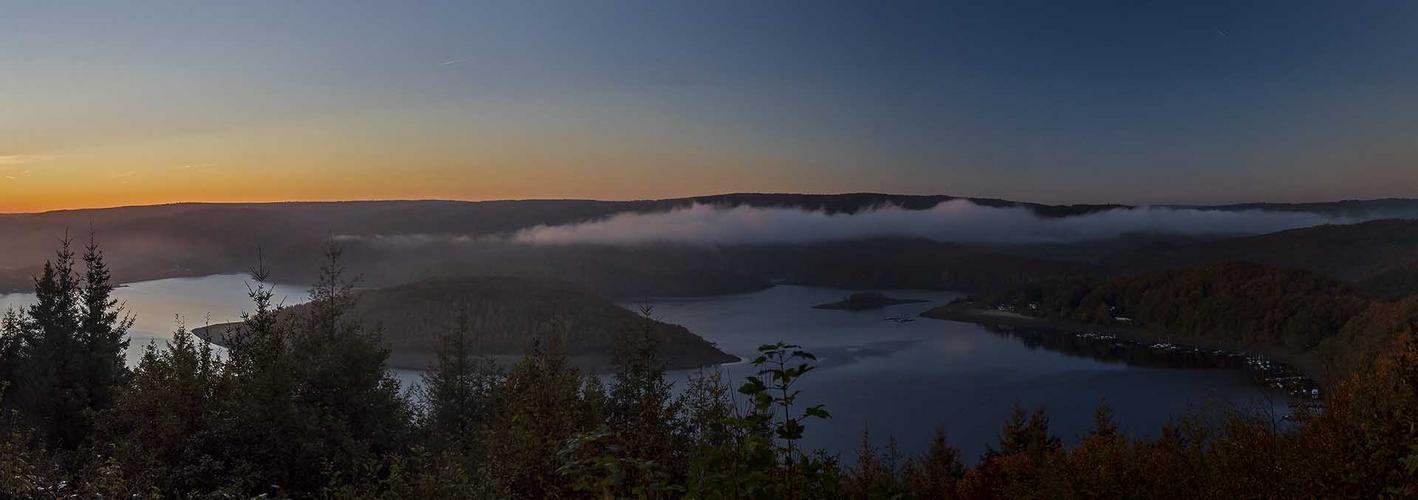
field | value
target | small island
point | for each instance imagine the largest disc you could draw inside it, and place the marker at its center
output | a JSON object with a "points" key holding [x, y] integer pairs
{"points": [[865, 301]]}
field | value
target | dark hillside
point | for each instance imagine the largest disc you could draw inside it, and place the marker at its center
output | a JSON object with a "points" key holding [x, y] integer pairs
{"points": [[507, 314], [1352, 253], [899, 263], [1241, 303], [1383, 208], [1366, 336], [1394, 283], [1237, 305]]}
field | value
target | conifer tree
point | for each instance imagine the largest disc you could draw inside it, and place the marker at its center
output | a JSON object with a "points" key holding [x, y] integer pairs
{"points": [[934, 473], [51, 392], [543, 408], [1103, 423], [343, 387], [12, 342], [168, 425], [640, 405], [103, 330], [1025, 432], [460, 390]]}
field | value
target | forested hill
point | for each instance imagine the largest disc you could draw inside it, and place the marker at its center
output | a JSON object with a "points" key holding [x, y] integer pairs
{"points": [[1244, 303], [1352, 252], [1241, 305], [898, 263], [505, 314]]}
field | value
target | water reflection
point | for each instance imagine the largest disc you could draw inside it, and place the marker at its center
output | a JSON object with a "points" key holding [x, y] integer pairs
{"points": [[1112, 349]]}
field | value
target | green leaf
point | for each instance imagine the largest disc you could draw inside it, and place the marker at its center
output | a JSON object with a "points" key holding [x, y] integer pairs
{"points": [[754, 385]]}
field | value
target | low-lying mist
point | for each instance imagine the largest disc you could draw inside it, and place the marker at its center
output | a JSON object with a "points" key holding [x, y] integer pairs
{"points": [[958, 221]]}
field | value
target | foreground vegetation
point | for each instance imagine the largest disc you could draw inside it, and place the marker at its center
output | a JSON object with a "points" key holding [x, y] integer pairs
{"points": [[303, 406]]}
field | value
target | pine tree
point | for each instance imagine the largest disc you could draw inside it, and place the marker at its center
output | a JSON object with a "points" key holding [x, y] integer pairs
{"points": [[460, 391], [1038, 437], [342, 385], [706, 409], [874, 475], [933, 474], [1025, 432], [1103, 423], [641, 408], [168, 424], [12, 342], [64, 354], [51, 392], [542, 409], [1013, 438], [103, 330]]}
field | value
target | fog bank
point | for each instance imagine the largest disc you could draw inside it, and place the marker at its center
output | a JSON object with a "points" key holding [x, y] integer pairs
{"points": [[955, 221]]}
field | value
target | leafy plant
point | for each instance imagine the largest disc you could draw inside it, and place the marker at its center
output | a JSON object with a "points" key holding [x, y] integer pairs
{"points": [[773, 396]]}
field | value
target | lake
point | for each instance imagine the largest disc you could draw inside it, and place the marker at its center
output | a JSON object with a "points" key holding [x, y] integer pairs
{"points": [[889, 378], [905, 379]]}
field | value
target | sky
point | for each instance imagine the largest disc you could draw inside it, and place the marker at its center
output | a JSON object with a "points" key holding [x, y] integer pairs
{"points": [[116, 103]]}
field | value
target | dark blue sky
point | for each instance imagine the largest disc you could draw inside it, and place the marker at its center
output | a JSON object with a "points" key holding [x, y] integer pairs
{"points": [[1135, 102]]}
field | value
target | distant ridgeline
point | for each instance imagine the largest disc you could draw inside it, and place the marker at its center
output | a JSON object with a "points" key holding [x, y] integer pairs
{"points": [[505, 315], [394, 242]]}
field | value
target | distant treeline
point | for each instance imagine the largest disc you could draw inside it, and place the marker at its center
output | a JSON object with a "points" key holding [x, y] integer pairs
{"points": [[306, 408]]}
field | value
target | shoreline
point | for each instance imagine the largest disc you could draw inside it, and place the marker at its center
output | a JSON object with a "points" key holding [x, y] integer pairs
{"points": [[1304, 365]]}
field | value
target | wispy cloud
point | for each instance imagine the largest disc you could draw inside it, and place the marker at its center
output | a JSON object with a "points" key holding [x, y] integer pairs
{"points": [[11, 167], [451, 62], [23, 159]]}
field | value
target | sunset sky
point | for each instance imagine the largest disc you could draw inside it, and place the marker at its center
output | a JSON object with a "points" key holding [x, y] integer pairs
{"points": [[116, 103]]}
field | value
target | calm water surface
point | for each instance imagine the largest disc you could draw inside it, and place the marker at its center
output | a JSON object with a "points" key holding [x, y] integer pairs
{"points": [[906, 379], [893, 379]]}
